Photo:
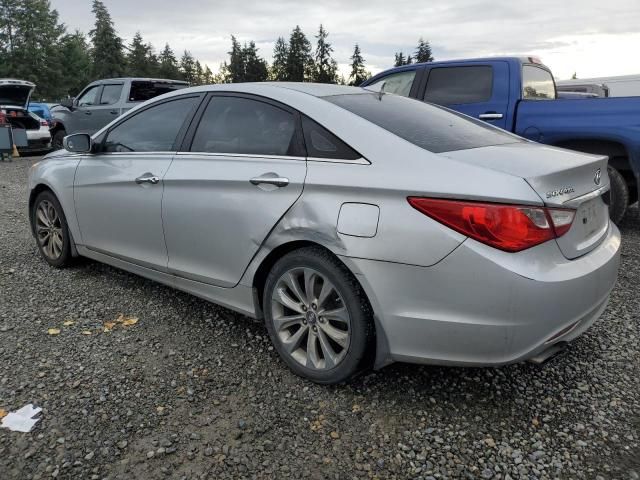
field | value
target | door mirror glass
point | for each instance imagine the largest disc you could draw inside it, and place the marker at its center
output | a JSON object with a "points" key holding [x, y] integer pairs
{"points": [[78, 143]]}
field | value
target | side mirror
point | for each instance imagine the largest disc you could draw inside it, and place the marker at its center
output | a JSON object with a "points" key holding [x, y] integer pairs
{"points": [[78, 143], [68, 103]]}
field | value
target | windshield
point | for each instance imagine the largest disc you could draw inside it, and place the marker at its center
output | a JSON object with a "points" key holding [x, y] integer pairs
{"points": [[433, 128]]}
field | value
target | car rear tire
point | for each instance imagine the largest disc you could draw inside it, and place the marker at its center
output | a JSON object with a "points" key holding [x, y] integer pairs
{"points": [[58, 137], [619, 195], [51, 231], [317, 315]]}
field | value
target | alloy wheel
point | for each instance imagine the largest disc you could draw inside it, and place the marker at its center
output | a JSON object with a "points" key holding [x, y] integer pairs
{"points": [[49, 230], [310, 318]]}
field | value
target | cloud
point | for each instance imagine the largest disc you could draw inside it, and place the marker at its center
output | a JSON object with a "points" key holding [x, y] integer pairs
{"points": [[455, 28]]}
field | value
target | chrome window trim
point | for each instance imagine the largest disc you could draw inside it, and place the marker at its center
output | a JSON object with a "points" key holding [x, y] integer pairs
{"points": [[240, 155], [357, 161], [575, 202]]}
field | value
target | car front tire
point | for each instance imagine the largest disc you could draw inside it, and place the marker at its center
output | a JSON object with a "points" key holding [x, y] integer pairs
{"points": [[51, 231], [58, 137], [317, 315]]}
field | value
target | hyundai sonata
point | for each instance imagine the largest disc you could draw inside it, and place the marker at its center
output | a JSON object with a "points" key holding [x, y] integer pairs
{"points": [[363, 227]]}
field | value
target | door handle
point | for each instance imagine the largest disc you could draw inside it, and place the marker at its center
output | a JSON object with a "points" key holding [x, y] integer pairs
{"points": [[490, 116], [114, 112], [147, 178], [87, 112], [277, 181]]}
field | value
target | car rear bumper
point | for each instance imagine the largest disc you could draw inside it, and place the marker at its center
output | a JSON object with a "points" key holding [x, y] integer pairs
{"points": [[481, 306]]}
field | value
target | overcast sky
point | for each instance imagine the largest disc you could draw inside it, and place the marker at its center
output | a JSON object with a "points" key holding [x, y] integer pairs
{"points": [[590, 37]]}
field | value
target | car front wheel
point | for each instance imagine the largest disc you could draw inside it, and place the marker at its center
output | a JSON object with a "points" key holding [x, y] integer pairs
{"points": [[58, 137], [317, 315], [50, 227]]}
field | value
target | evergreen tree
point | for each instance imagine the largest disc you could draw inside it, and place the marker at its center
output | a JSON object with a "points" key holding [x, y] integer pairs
{"points": [[77, 64], [168, 64], [199, 74], [141, 61], [107, 56], [423, 52], [409, 60], [188, 67], [399, 60], [255, 67], [236, 67], [299, 59], [326, 68], [358, 71], [280, 56], [29, 38], [207, 76]]}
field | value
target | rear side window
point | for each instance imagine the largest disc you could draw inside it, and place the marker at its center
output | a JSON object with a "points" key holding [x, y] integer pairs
{"points": [[111, 94], [321, 143], [142, 90], [245, 126], [152, 130], [398, 83], [459, 85], [430, 127], [537, 84]]}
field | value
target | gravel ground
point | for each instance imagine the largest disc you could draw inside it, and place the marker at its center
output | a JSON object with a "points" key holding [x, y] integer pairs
{"points": [[195, 391]]}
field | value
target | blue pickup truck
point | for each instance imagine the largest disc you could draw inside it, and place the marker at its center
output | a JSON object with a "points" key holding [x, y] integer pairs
{"points": [[519, 94]]}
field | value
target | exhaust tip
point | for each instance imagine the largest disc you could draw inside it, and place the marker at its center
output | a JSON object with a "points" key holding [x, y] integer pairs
{"points": [[549, 353]]}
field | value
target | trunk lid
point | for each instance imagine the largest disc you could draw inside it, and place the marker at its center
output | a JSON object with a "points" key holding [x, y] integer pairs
{"points": [[15, 93], [562, 179]]}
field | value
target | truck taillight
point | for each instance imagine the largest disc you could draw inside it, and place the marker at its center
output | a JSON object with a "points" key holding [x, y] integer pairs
{"points": [[511, 228]]}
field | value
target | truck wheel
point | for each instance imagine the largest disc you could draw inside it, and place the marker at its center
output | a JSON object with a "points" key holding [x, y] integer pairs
{"points": [[619, 194], [58, 136]]}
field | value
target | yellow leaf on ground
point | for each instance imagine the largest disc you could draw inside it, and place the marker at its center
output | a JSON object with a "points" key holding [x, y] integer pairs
{"points": [[86, 332], [53, 331], [68, 323], [128, 321], [109, 325], [3, 413]]}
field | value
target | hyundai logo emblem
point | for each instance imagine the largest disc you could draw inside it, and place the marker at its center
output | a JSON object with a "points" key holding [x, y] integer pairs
{"points": [[598, 175]]}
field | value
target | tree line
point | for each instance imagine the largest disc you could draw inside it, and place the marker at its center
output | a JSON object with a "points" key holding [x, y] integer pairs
{"points": [[35, 46]]}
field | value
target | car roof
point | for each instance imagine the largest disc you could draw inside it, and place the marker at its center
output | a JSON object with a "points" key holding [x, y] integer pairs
{"points": [[317, 89], [412, 66], [138, 79]]}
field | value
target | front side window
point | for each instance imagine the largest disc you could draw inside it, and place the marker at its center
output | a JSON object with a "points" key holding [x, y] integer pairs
{"points": [[398, 83], [459, 85], [111, 94], [239, 125], [537, 84], [152, 130], [90, 97], [427, 126]]}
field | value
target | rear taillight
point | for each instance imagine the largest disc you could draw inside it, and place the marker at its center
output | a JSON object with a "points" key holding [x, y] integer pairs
{"points": [[44, 123], [508, 227], [3, 117]]}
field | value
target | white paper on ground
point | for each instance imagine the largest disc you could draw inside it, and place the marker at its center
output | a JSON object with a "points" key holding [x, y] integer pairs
{"points": [[22, 420]]}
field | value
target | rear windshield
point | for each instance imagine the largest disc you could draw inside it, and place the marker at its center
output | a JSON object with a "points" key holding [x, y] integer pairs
{"points": [[141, 91], [427, 126]]}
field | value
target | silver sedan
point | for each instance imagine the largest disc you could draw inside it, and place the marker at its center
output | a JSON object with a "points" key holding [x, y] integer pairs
{"points": [[363, 227]]}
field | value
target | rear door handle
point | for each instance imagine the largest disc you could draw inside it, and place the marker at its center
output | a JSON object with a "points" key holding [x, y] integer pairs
{"points": [[269, 180], [490, 116], [147, 178]]}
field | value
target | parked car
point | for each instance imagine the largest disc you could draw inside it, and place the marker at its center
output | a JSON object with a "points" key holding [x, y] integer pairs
{"points": [[519, 95], [39, 140], [42, 110], [620, 86], [359, 225], [104, 100], [573, 86], [14, 100]]}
